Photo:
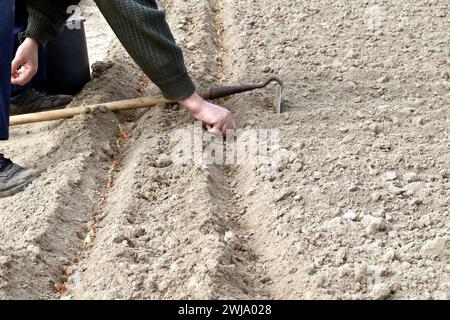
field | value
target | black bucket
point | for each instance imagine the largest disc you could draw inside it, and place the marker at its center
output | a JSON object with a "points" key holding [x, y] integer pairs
{"points": [[68, 68]]}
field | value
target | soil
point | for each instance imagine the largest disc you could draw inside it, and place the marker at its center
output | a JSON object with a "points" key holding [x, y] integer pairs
{"points": [[357, 207]]}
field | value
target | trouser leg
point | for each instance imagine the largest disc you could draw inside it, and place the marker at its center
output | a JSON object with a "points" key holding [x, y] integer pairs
{"points": [[6, 48]]}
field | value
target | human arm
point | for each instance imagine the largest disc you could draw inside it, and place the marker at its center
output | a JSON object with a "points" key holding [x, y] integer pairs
{"points": [[143, 30]]}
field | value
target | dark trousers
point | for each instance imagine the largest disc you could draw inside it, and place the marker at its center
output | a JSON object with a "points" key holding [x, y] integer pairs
{"points": [[6, 51]]}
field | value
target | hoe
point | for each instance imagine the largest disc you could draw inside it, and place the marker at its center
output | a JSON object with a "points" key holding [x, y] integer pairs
{"points": [[209, 94]]}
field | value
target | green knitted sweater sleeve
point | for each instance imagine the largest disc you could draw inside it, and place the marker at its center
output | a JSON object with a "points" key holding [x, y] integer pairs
{"points": [[142, 29], [46, 19]]}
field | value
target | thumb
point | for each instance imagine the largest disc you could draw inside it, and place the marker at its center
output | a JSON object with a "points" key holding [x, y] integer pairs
{"points": [[16, 64], [21, 73], [213, 130]]}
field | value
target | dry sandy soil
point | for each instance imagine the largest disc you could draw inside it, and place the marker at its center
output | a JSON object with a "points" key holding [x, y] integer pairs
{"points": [[358, 207]]}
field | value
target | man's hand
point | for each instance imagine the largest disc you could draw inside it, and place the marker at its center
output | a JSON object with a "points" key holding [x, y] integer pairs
{"points": [[25, 64], [217, 119]]}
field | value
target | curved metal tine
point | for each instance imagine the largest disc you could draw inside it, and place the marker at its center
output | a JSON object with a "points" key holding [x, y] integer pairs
{"points": [[278, 102]]}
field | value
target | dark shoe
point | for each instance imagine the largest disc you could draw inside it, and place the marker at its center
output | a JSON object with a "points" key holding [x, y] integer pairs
{"points": [[13, 178], [31, 100]]}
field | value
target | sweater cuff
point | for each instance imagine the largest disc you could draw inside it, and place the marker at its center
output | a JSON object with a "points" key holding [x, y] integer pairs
{"points": [[179, 88], [38, 29]]}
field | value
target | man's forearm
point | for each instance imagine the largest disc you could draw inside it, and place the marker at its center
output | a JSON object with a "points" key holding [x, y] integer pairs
{"points": [[145, 34]]}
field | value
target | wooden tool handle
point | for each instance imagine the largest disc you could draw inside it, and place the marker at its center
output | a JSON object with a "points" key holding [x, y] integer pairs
{"points": [[71, 112]]}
